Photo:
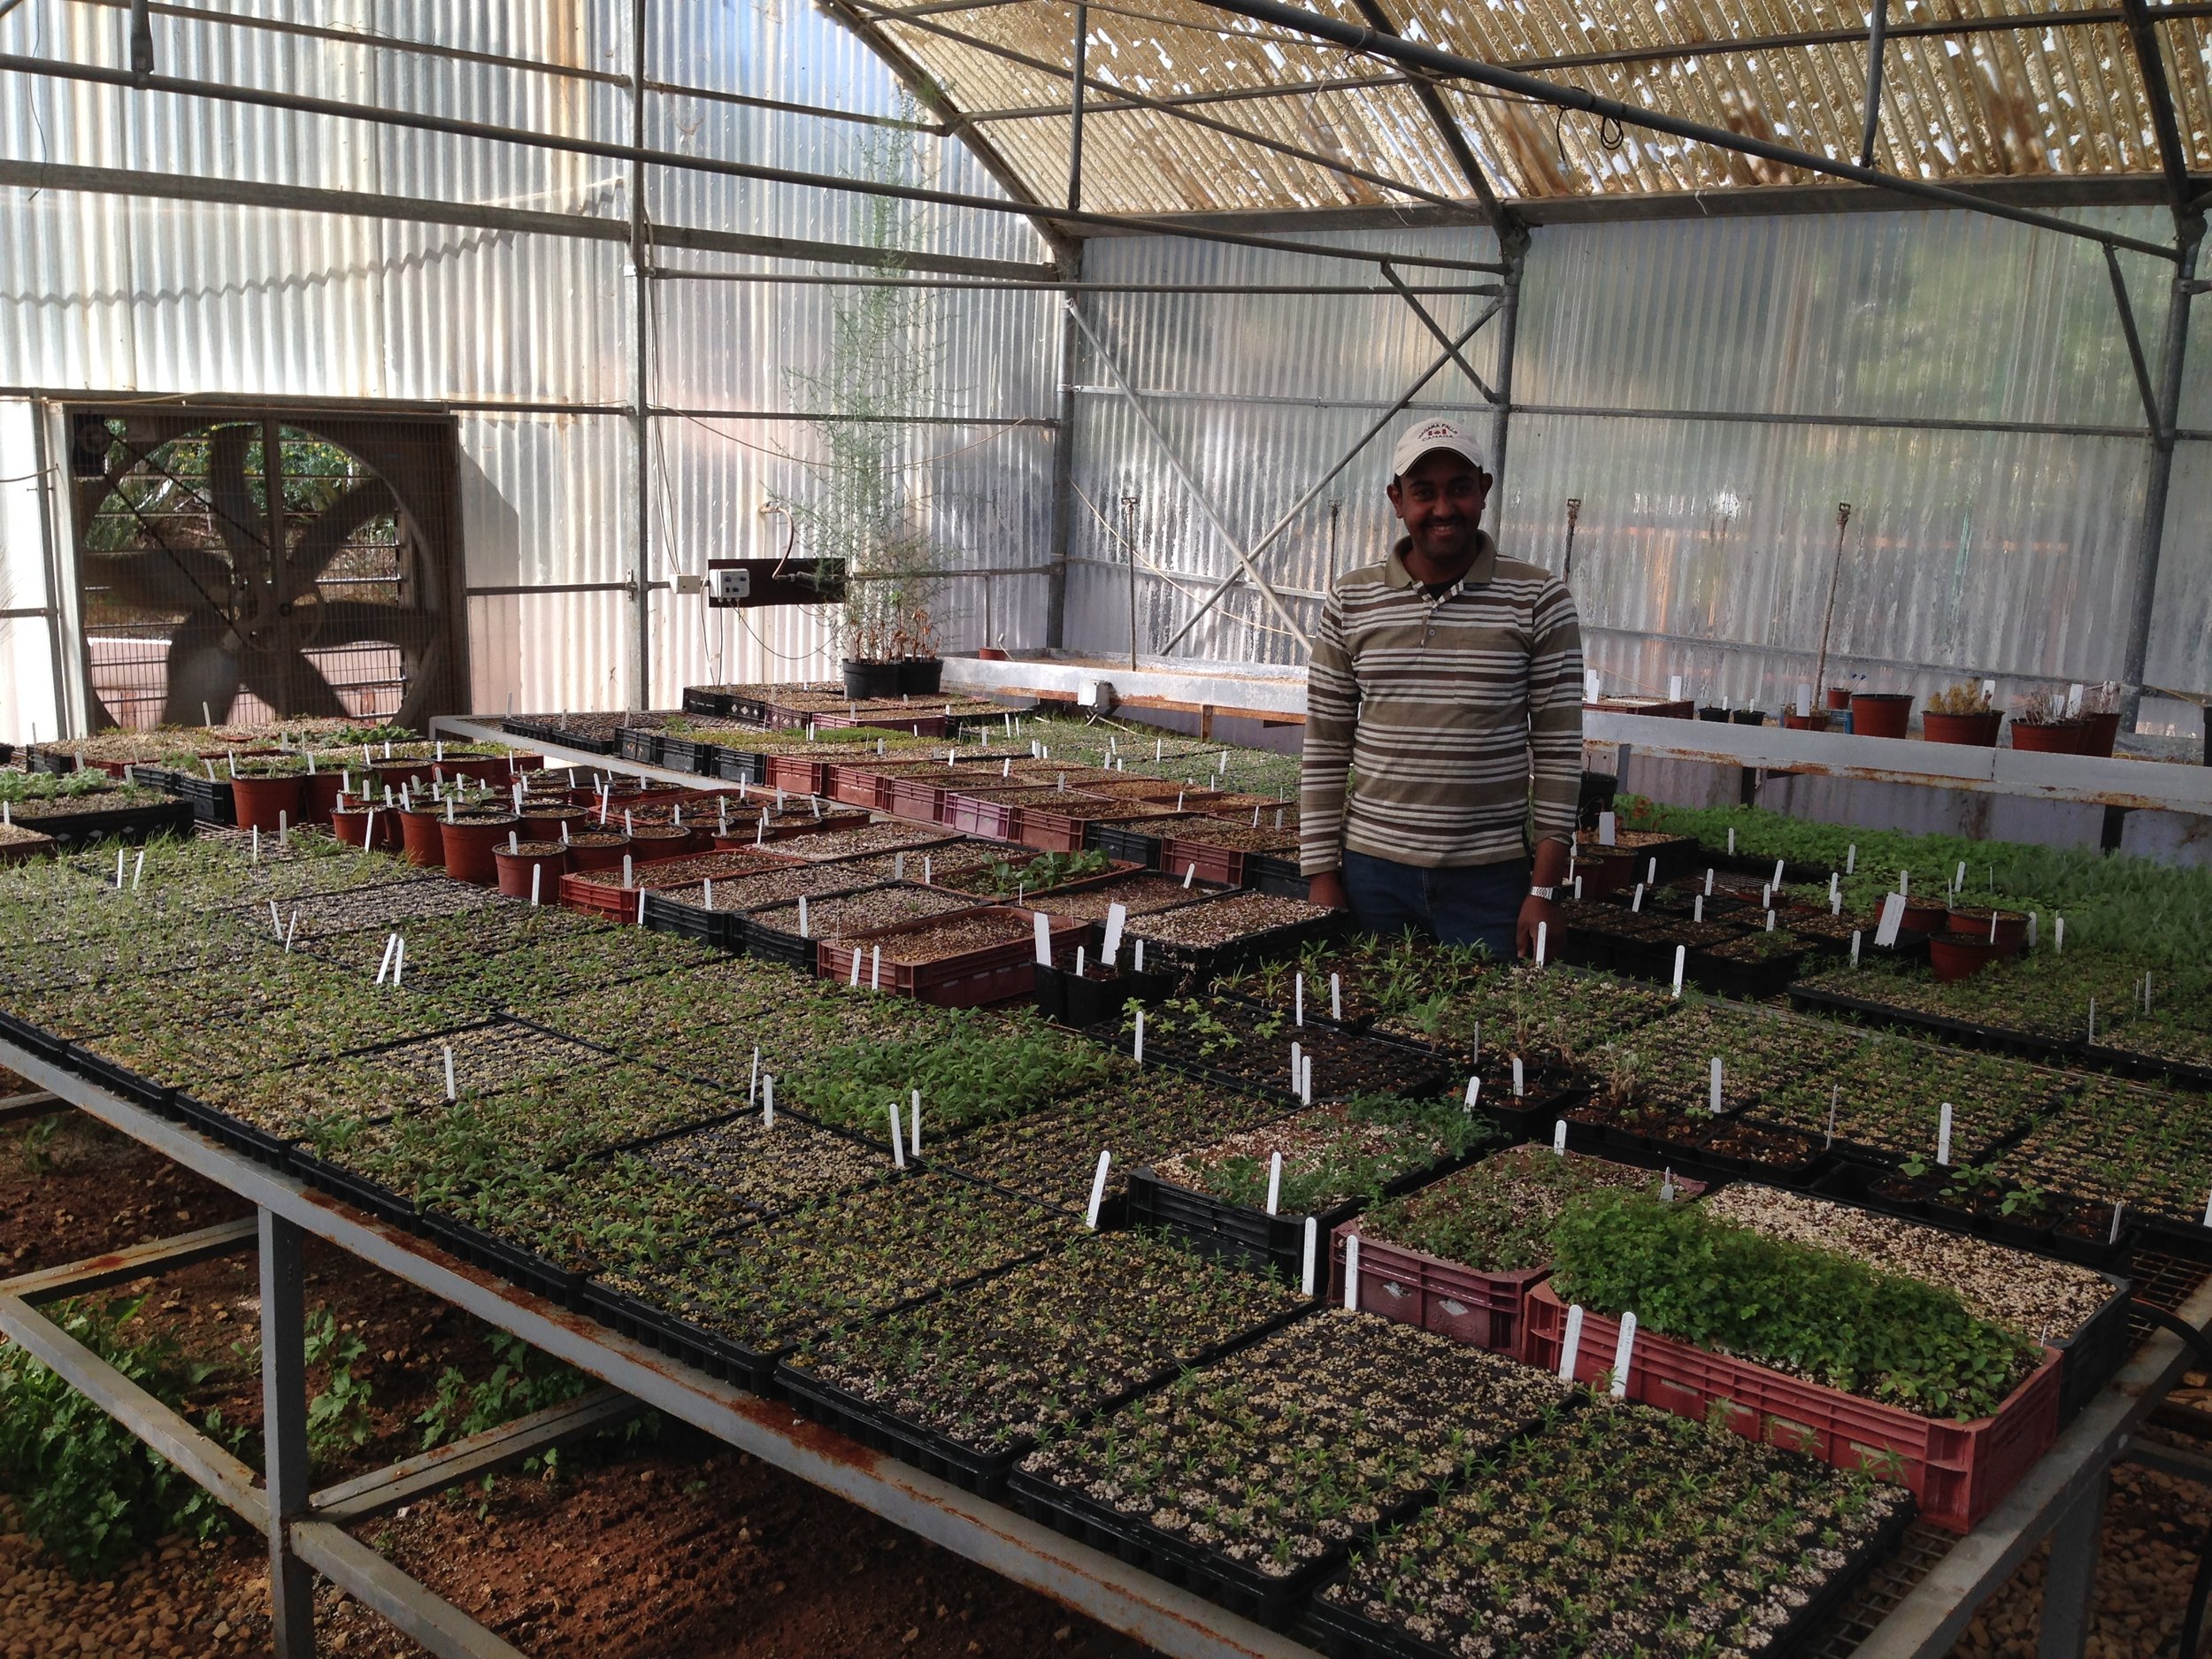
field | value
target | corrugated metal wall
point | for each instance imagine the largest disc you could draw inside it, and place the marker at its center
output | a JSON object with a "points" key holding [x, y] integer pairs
{"points": [[1710, 391]]}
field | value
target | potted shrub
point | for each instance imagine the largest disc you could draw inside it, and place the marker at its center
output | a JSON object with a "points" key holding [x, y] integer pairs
{"points": [[2102, 710], [2041, 725], [1881, 713], [1962, 714]]}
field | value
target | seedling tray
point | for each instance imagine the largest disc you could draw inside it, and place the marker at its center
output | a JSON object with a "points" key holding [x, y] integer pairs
{"points": [[983, 1473], [1265, 872], [533, 1272], [133, 823], [681, 1339], [29, 1037], [210, 798], [690, 753], [546, 732], [794, 775], [238, 1135], [1750, 981], [720, 929], [1085, 1001], [974, 978], [370, 1197], [2065, 1050], [639, 744], [738, 765], [1342, 1633], [1959, 1471], [116, 1079], [1206, 962]]}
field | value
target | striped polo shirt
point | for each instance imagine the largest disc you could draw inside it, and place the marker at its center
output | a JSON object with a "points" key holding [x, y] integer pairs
{"points": [[1442, 711]]}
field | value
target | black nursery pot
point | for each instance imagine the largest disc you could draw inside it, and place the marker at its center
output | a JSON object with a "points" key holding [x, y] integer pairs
{"points": [[866, 680], [921, 676]]}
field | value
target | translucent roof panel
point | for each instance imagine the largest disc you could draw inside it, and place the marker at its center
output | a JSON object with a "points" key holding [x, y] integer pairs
{"points": [[1192, 110]]}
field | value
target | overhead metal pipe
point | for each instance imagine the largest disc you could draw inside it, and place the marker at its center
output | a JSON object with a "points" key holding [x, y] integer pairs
{"points": [[141, 41], [455, 127], [1877, 29], [808, 279], [1414, 55]]}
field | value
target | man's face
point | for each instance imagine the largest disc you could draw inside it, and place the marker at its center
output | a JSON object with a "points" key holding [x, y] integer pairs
{"points": [[1440, 500]]}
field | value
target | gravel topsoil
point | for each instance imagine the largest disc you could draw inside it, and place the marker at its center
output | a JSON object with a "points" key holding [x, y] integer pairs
{"points": [[671, 1548]]}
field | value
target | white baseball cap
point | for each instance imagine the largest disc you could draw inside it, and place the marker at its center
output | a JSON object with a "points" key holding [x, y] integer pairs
{"points": [[1418, 440]]}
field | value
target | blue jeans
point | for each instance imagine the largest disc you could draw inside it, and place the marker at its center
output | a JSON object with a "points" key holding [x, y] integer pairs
{"points": [[1472, 904]]}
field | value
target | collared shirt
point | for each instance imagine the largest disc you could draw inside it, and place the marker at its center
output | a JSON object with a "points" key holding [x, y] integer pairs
{"points": [[1432, 725]]}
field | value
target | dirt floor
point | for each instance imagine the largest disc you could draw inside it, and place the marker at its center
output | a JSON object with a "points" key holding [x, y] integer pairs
{"points": [[657, 1546]]}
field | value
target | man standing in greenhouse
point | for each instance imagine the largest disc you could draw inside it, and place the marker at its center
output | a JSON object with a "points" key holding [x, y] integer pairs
{"points": [[1443, 714]]}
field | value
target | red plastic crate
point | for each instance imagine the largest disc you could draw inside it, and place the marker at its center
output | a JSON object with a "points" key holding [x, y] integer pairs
{"points": [[913, 725], [978, 814], [1959, 1471], [1060, 828], [794, 775], [994, 973], [1484, 1310], [1224, 864]]}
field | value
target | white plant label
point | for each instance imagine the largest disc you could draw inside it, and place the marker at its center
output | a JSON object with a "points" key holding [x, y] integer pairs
{"points": [[1336, 997], [1769, 921], [1904, 881], [2092, 1019], [1571, 1344], [805, 922], [1189, 871], [1892, 918], [1474, 1093], [1637, 902], [752, 1082], [1681, 959], [1609, 829], [1804, 701], [1298, 1000], [1517, 1076], [1674, 687], [1098, 1190], [1079, 962], [875, 967], [1775, 886], [1835, 1099], [1624, 1354], [629, 873], [1140, 956], [1857, 935], [1590, 684], [2073, 699], [2058, 934], [859, 955], [1731, 843], [1559, 1137], [1851, 860], [1651, 872], [1274, 1182], [2031, 929], [1697, 908], [1351, 1273], [1137, 1050], [451, 1093], [768, 1102], [1313, 1233], [1543, 929], [1958, 880], [1117, 918], [1713, 1089], [1708, 878], [898, 1138], [1297, 1070], [1943, 1136], [641, 906]]}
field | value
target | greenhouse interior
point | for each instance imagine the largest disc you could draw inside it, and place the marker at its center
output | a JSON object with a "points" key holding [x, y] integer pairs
{"points": [[1235, 829]]}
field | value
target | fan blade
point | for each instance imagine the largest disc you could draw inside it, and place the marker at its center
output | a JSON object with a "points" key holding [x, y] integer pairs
{"points": [[163, 578], [242, 526], [325, 538], [346, 621], [202, 671], [279, 682]]}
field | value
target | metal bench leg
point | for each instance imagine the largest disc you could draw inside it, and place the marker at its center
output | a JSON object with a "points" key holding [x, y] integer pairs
{"points": [[284, 1432], [2069, 1584]]}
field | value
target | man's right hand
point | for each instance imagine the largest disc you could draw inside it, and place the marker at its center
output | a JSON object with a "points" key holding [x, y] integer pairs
{"points": [[1328, 890]]}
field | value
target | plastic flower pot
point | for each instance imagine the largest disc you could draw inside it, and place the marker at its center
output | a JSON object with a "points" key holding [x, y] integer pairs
{"points": [[2104, 731], [419, 840], [1605, 873], [259, 800], [597, 849], [1924, 916], [2055, 737], [2012, 927], [1960, 955], [514, 868], [1816, 721], [352, 825], [319, 794], [866, 681], [921, 676], [990, 654], [1975, 731], [1714, 713], [1839, 698], [651, 842], [1748, 716], [1881, 713], [471, 839], [542, 821]]}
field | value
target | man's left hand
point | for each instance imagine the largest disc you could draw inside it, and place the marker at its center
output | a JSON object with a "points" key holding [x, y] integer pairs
{"points": [[1533, 910]]}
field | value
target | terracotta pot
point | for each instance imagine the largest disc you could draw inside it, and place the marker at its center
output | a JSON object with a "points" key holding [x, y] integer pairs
{"points": [[1960, 956], [597, 849], [1839, 697], [1976, 731], [1816, 721], [420, 841], [550, 858], [2057, 737], [483, 768], [2104, 731], [1924, 916], [650, 842], [353, 824], [1881, 713], [542, 821], [2012, 927], [470, 841], [990, 654], [319, 794], [259, 800], [1602, 872]]}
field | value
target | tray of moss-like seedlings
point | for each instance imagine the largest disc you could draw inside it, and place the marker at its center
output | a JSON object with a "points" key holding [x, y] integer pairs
{"points": [[966, 1384], [1242, 1045], [1616, 1529], [1247, 1480], [1335, 1159]]}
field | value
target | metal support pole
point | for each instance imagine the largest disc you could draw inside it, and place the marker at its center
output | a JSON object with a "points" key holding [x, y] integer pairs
{"points": [[284, 1431], [1513, 243], [2069, 1582], [2150, 537], [141, 38], [1877, 30], [1063, 459], [1075, 106], [641, 418]]}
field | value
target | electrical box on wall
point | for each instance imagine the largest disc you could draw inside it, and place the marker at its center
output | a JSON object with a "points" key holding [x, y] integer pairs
{"points": [[752, 582]]}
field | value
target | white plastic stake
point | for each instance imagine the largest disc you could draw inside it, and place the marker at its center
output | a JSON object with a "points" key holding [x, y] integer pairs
{"points": [[1708, 882], [1140, 955], [1559, 1137], [1775, 886], [1297, 993], [1313, 1234], [1081, 955], [1851, 860], [118, 881], [2033, 929], [1274, 1182], [1835, 1099], [1098, 1190], [1697, 908], [806, 925], [1518, 1089], [2092, 1019], [1570, 1345], [2119, 1208], [2058, 934], [537, 877], [875, 967], [399, 961], [451, 1093], [1297, 1068], [1044, 938], [1857, 934], [257, 843], [706, 893], [1189, 870], [1637, 901], [1609, 829], [1769, 921], [1712, 1102], [641, 906], [1336, 998], [768, 1102], [898, 1138], [914, 1124], [752, 1081], [291, 928], [1474, 1093], [391, 943], [1731, 843], [138, 868], [1892, 918], [1651, 872], [859, 957], [1305, 1081], [1117, 918], [1681, 959], [629, 873], [1624, 1353], [1351, 1273], [1943, 1136], [1958, 881], [1904, 883], [1137, 1049], [1543, 929]]}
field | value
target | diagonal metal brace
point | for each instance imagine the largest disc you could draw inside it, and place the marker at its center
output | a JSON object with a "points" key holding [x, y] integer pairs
{"points": [[2159, 433], [1428, 320]]}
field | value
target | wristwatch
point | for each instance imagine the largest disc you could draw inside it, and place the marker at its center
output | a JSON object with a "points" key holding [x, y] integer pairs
{"points": [[1542, 893]]}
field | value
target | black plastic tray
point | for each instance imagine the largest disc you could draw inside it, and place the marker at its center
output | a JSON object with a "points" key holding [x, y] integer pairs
{"points": [[681, 1339], [738, 765], [533, 1272], [1207, 962], [544, 731], [27, 1036], [130, 822], [140, 1091], [636, 743], [721, 929], [690, 753], [1966, 1034], [706, 700], [225, 1130], [370, 1197], [1086, 1001]]}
